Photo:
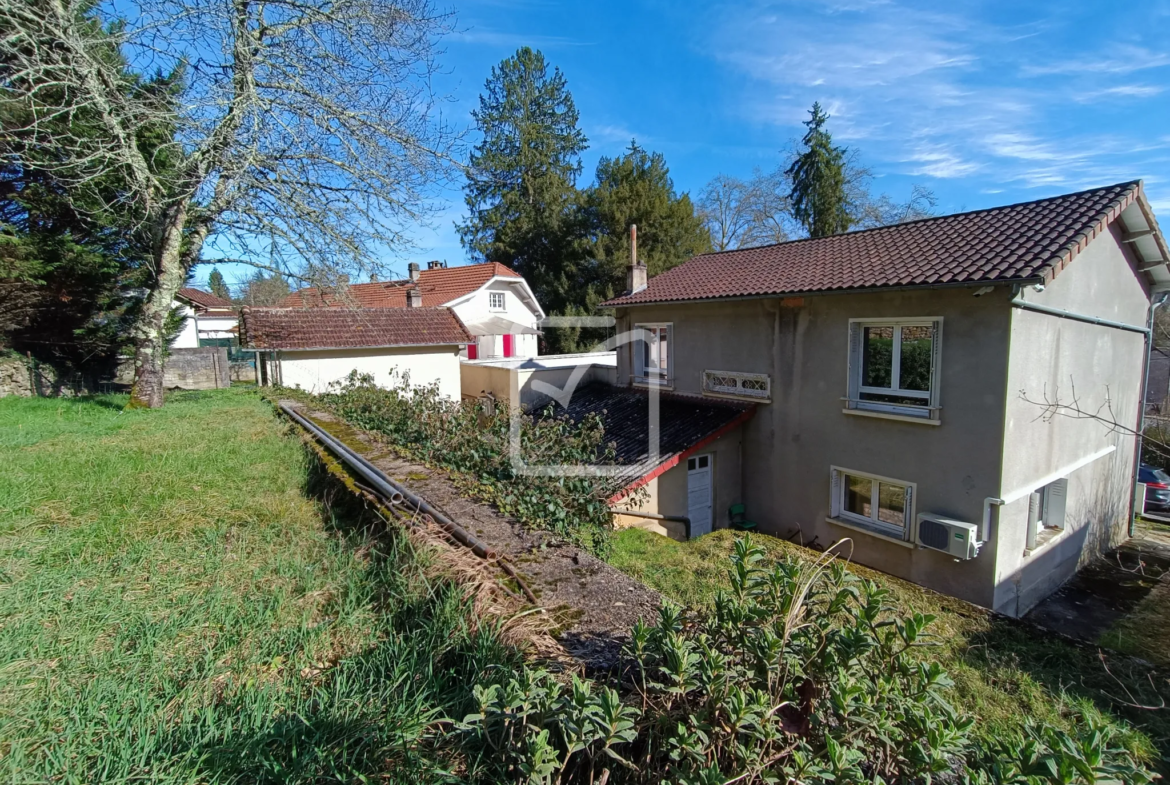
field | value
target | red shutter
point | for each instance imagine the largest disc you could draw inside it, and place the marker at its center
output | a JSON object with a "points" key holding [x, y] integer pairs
{"points": [[472, 351], [509, 349]]}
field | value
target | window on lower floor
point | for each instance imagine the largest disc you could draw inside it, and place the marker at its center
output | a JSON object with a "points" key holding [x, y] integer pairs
{"points": [[652, 353], [894, 366], [1046, 511], [878, 503]]}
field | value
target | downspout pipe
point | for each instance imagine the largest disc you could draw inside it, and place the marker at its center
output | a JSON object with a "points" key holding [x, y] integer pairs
{"points": [[1024, 305], [1141, 429], [985, 535]]}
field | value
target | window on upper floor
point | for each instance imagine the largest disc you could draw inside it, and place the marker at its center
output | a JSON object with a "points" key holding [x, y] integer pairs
{"points": [[496, 301], [652, 354], [879, 504], [894, 366]]}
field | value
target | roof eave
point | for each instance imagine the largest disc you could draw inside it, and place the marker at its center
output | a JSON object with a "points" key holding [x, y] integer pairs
{"points": [[820, 292]]}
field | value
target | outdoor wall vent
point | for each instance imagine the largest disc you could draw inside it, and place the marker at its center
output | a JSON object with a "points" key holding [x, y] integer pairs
{"points": [[958, 538]]}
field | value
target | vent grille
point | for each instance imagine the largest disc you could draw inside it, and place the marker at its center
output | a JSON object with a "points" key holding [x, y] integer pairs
{"points": [[933, 534]]}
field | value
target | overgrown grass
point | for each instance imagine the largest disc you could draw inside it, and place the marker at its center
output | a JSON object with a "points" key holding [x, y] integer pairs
{"points": [[1005, 673], [177, 604]]}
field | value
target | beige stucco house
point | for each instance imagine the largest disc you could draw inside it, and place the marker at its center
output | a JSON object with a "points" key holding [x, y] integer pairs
{"points": [[957, 396]]}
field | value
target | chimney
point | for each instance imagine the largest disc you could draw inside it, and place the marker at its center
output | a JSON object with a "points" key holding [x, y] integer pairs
{"points": [[436, 265], [412, 269], [636, 272], [413, 298]]}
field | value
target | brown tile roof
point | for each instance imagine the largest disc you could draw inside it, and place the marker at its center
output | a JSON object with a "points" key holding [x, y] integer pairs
{"points": [[438, 286], [206, 300], [1027, 241], [350, 328], [685, 425]]}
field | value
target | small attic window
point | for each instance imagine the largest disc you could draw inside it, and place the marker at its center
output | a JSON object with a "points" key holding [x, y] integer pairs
{"points": [[496, 301]]}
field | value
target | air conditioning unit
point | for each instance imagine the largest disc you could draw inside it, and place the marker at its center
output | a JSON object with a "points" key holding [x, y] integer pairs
{"points": [[958, 538]]}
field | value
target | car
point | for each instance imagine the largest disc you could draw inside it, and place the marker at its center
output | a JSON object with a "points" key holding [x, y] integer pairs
{"points": [[1157, 488]]}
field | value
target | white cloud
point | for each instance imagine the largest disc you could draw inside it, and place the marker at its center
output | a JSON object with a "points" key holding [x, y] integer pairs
{"points": [[942, 93]]}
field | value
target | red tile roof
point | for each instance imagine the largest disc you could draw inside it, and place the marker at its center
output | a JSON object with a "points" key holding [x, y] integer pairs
{"points": [[438, 286], [350, 328], [1027, 241], [205, 299]]}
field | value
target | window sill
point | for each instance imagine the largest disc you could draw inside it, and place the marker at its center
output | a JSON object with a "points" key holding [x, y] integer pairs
{"points": [[857, 527], [889, 416], [734, 397], [1045, 540]]}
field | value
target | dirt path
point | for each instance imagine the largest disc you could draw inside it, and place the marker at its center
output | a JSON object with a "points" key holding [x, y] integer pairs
{"points": [[593, 605]]}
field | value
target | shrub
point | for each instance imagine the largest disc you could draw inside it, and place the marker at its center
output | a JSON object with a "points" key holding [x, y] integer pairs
{"points": [[798, 674], [474, 442]]}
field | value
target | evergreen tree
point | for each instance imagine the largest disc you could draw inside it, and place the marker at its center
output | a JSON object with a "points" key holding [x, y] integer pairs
{"points": [[819, 198], [636, 188], [217, 285], [521, 183]]}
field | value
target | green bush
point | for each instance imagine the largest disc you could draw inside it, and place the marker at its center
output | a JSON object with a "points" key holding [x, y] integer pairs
{"points": [[474, 442], [798, 674]]}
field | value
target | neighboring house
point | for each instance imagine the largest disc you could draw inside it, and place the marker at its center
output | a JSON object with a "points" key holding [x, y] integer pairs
{"points": [[523, 383], [208, 320], [493, 301], [904, 381], [312, 348]]}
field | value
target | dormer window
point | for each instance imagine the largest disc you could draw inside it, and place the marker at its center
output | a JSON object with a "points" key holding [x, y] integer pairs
{"points": [[496, 301]]}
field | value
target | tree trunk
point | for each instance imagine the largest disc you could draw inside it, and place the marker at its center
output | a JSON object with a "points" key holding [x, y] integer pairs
{"points": [[149, 341]]}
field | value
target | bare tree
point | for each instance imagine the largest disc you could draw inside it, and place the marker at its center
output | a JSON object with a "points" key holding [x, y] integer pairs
{"points": [[310, 122], [743, 214]]}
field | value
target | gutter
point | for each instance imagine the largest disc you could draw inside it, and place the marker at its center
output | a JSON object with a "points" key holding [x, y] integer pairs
{"points": [[820, 292]]}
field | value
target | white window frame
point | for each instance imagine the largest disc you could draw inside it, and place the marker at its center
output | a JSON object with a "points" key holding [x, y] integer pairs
{"points": [[873, 525], [930, 407], [503, 302], [663, 377], [716, 383]]}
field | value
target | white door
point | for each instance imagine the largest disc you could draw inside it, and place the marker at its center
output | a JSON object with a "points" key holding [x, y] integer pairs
{"points": [[699, 494]]}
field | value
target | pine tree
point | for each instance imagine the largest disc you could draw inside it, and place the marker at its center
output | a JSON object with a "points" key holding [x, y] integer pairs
{"points": [[819, 198], [217, 285], [636, 188], [521, 183]]}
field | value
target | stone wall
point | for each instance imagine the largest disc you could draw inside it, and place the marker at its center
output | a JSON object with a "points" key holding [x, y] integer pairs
{"points": [[205, 368], [24, 377]]}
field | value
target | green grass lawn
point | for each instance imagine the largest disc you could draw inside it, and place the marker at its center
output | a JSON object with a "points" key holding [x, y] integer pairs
{"points": [[1005, 672], [177, 605]]}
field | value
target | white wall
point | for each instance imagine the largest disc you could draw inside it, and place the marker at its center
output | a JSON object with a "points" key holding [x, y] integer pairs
{"points": [[476, 306], [195, 328], [314, 370], [188, 338], [1054, 359], [217, 327]]}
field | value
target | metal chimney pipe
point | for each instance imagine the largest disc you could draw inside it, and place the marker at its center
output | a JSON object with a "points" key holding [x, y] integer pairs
{"points": [[633, 245]]}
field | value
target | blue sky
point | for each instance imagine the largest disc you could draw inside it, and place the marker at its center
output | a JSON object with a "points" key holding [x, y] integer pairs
{"points": [[986, 104]]}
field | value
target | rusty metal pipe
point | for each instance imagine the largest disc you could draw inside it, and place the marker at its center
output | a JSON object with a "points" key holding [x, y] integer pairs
{"points": [[389, 489]]}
